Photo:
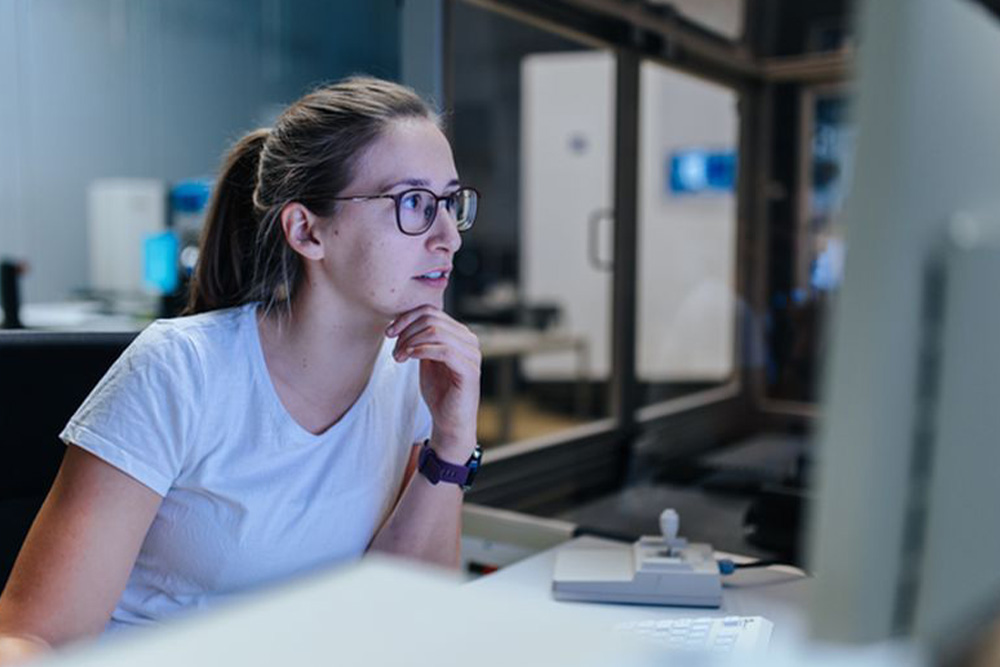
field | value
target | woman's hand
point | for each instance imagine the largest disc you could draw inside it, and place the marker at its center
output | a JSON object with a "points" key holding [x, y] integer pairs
{"points": [[450, 362]]}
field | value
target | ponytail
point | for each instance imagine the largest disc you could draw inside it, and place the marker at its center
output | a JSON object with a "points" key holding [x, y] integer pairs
{"points": [[225, 262]]}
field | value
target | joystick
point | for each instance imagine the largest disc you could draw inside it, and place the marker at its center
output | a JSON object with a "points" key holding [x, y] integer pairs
{"points": [[662, 569]]}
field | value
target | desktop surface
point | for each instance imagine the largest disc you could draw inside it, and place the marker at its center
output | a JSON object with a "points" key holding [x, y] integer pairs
{"points": [[380, 611], [387, 612], [777, 593]]}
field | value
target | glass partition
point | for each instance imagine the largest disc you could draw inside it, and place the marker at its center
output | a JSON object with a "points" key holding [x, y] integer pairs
{"points": [[688, 309], [817, 251], [533, 129]]}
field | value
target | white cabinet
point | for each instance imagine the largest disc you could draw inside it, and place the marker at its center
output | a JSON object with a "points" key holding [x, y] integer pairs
{"points": [[567, 157], [687, 242]]}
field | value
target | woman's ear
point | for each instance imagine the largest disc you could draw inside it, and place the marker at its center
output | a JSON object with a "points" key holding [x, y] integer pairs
{"points": [[301, 232]]}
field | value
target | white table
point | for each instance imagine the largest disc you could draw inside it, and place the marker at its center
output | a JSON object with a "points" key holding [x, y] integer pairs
{"points": [[776, 593], [382, 612]]}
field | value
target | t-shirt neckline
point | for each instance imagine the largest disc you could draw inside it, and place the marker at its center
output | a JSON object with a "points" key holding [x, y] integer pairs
{"points": [[260, 363]]}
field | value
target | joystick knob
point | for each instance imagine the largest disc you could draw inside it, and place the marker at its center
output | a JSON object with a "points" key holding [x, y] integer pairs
{"points": [[669, 524]]}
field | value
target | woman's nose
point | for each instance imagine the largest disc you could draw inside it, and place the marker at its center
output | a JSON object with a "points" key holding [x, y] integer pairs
{"points": [[444, 232]]}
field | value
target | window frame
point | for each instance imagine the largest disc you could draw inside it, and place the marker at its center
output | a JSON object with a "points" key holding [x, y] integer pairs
{"points": [[545, 473]]}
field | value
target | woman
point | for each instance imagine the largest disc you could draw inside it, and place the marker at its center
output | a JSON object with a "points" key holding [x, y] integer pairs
{"points": [[277, 427]]}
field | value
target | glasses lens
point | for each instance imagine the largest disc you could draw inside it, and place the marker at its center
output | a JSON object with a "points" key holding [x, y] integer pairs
{"points": [[463, 206], [417, 209]]}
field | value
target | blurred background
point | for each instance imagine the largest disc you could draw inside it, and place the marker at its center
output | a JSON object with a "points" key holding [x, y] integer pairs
{"points": [[658, 238], [656, 274]]}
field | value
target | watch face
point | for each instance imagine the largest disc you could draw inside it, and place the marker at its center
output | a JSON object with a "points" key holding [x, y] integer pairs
{"points": [[476, 458], [473, 466]]}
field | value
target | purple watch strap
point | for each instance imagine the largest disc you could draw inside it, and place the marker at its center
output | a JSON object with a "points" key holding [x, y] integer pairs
{"points": [[436, 470]]}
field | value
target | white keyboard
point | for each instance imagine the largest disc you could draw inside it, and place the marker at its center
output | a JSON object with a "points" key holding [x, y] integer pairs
{"points": [[722, 634]]}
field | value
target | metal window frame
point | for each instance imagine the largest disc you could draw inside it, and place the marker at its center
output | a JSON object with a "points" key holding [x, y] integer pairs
{"points": [[812, 89], [578, 463]]}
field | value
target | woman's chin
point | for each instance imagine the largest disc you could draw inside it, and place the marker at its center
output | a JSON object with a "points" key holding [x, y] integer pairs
{"points": [[412, 304], [433, 300]]}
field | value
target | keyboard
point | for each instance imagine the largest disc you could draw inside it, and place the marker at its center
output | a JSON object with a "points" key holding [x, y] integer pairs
{"points": [[722, 634]]}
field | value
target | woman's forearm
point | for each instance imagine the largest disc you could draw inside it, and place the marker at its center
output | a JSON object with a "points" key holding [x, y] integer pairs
{"points": [[425, 524], [15, 649]]}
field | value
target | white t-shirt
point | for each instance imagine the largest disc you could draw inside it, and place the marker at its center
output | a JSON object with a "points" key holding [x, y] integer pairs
{"points": [[249, 496]]}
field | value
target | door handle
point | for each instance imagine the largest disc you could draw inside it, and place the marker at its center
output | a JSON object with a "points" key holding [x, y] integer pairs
{"points": [[593, 244]]}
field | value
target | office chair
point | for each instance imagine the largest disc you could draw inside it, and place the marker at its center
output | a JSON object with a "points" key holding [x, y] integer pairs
{"points": [[44, 377]]}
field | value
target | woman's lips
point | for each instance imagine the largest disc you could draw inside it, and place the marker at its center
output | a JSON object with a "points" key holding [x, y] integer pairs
{"points": [[434, 282], [436, 278]]}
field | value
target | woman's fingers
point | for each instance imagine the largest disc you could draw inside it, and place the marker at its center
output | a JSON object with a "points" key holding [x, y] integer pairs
{"points": [[422, 317], [466, 346], [447, 355], [397, 325], [436, 327]]}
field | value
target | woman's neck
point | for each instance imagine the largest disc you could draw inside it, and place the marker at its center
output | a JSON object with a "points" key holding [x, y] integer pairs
{"points": [[320, 359]]}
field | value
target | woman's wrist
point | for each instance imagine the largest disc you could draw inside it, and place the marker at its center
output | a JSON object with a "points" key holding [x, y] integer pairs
{"points": [[453, 449]]}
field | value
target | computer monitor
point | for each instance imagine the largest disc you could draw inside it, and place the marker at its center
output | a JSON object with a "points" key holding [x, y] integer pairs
{"points": [[904, 535]]}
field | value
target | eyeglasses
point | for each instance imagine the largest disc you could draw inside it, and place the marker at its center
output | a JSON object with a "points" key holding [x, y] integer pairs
{"points": [[417, 209]]}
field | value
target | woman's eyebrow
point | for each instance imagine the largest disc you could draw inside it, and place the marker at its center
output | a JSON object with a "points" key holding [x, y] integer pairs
{"points": [[414, 182]]}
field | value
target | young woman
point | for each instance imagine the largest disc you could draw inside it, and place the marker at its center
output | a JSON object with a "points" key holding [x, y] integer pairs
{"points": [[277, 427]]}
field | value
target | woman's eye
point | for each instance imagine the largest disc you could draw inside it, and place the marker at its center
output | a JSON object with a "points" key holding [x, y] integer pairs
{"points": [[430, 209], [412, 201]]}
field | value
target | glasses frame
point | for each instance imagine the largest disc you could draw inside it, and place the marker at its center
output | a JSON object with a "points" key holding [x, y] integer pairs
{"points": [[398, 197]]}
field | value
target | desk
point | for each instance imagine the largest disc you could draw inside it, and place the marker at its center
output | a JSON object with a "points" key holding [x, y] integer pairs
{"points": [[778, 594], [508, 344], [381, 612], [375, 613], [80, 316]]}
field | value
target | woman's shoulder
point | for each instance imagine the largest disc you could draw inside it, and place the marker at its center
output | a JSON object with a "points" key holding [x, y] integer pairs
{"points": [[212, 323], [198, 337]]}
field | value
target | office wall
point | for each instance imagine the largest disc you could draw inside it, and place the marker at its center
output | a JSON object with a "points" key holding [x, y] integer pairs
{"points": [[147, 88]]}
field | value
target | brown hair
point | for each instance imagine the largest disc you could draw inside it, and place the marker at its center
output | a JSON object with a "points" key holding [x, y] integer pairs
{"points": [[309, 157]]}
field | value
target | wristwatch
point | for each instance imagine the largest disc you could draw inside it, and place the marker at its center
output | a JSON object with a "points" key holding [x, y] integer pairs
{"points": [[436, 470]]}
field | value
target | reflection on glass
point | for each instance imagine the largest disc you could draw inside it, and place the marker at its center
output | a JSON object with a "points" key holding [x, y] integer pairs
{"points": [[797, 313], [832, 146], [687, 231], [532, 125]]}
